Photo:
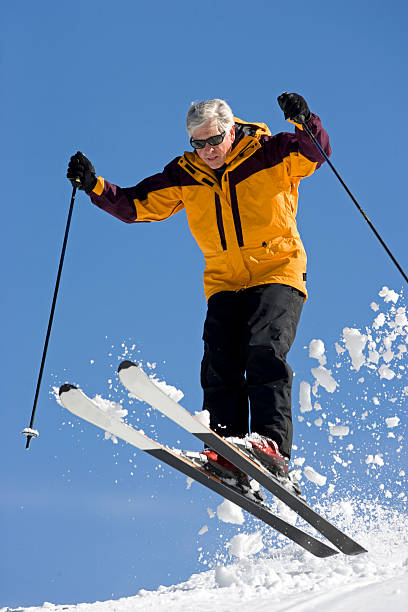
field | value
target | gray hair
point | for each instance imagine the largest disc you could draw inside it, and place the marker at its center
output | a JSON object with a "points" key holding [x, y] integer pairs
{"points": [[201, 112]]}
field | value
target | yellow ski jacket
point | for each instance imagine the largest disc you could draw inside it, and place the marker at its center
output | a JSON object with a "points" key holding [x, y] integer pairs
{"points": [[245, 221]]}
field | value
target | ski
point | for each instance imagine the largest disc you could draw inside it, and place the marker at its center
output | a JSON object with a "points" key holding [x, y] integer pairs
{"points": [[141, 386], [74, 400]]}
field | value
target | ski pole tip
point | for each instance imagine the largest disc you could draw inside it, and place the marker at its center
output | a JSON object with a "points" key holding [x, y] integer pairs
{"points": [[30, 433]]}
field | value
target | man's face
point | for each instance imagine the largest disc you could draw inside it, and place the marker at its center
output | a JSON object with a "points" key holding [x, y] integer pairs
{"points": [[214, 156]]}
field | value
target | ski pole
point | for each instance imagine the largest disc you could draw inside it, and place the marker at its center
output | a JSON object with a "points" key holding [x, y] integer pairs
{"points": [[309, 133], [29, 431]]}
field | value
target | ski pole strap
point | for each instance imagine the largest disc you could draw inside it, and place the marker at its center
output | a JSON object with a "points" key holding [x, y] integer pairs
{"points": [[309, 133]]}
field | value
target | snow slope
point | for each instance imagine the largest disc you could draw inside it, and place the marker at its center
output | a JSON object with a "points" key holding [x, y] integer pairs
{"points": [[288, 580]]}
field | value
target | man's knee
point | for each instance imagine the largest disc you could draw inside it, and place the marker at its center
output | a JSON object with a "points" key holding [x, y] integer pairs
{"points": [[265, 365], [221, 369]]}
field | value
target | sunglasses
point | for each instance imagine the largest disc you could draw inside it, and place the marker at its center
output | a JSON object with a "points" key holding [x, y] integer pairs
{"points": [[213, 141]]}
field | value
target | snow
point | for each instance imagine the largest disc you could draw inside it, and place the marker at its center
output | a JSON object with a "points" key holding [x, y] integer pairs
{"points": [[230, 513], [389, 295], [375, 460], [317, 350], [314, 476], [113, 409], [324, 378], [173, 392], [286, 580], [305, 397], [204, 417], [392, 421], [339, 430], [244, 545], [355, 342], [359, 483], [386, 372], [379, 321]]}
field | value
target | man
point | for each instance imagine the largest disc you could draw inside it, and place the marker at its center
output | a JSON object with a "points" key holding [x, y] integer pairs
{"points": [[239, 188]]}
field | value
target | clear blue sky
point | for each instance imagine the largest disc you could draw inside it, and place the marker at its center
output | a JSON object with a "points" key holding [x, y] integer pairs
{"points": [[115, 80]]}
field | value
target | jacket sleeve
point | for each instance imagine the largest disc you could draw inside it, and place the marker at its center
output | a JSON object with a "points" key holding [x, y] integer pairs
{"points": [[297, 151], [154, 199]]}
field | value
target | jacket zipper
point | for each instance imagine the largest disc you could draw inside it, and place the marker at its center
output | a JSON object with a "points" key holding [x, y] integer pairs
{"points": [[234, 207], [220, 224], [234, 204], [235, 215]]}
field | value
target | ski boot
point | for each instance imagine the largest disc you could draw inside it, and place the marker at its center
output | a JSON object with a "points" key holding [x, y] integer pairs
{"points": [[268, 454]]}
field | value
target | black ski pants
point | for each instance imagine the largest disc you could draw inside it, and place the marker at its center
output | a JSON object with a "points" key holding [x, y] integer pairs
{"points": [[247, 335]]}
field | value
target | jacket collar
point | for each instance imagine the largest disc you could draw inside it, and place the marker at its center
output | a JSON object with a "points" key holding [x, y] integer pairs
{"points": [[246, 146]]}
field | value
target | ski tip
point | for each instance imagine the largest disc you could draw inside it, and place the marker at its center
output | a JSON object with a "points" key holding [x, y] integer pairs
{"points": [[124, 365], [66, 387]]}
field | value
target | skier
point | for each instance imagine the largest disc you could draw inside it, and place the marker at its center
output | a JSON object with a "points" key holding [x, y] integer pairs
{"points": [[239, 187]]}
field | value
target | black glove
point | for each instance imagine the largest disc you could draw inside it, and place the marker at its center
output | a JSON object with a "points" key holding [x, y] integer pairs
{"points": [[80, 167], [294, 107]]}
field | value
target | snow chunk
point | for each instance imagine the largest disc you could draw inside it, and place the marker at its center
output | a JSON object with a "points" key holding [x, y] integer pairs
{"points": [[112, 409], [203, 530], [304, 397], [346, 509], [324, 378], [379, 321], [401, 318], [388, 354], [55, 393], [230, 513], [173, 392], [339, 349], [225, 576], [316, 351], [374, 306], [339, 430], [392, 421], [389, 295], [386, 372], [373, 357], [375, 459], [314, 476], [378, 460], [203, 416], [401, 350], [244, 545], [355, 342]]}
